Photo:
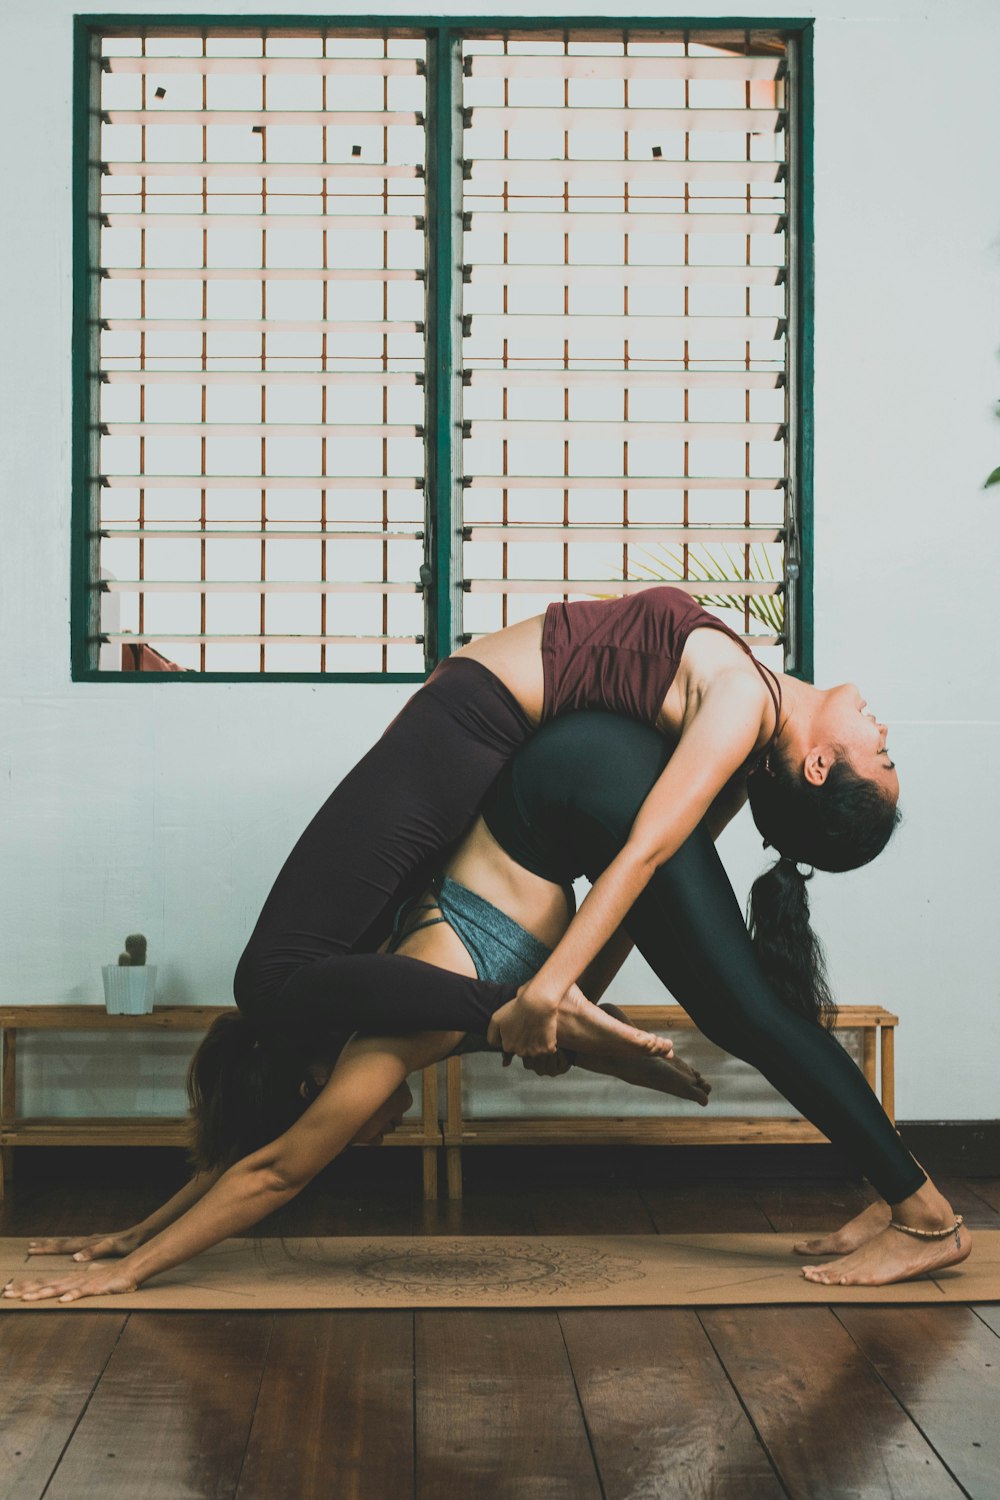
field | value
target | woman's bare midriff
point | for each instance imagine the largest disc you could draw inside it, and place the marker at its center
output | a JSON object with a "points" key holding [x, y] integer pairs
{"points": [[480, 864]]}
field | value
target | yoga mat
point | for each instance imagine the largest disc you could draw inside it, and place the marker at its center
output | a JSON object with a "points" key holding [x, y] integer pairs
{"points": [[649, 1270]]}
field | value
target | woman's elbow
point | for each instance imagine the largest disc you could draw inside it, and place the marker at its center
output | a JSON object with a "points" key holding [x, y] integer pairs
{"points": [[275, 1174], [641, 857]]}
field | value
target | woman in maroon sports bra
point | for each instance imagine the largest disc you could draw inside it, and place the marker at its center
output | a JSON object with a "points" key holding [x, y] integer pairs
{"points": [[814, 763]]}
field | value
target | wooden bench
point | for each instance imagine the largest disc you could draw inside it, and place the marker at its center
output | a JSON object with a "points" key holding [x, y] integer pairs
{"points": [[150, 1130], [877, 1031]]}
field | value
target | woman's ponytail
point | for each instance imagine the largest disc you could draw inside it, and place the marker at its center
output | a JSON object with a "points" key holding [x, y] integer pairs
{"points": [[242, 1093], [788, 950]]}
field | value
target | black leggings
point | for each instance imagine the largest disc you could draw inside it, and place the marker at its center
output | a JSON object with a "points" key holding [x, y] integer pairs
{"points": [[309, 968], [565, 805]]}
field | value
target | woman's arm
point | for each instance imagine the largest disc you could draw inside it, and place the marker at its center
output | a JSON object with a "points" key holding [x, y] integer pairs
{"points": [[368, 1072], [124, 1241], [600, 971], [712, 748], [725, 807]]}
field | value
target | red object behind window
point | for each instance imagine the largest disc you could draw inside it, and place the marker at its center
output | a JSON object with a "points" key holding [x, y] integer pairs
{"points": [[142, 658]]}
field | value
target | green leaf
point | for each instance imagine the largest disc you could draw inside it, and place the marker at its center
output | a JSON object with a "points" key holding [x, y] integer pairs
{"points": [[993, 479]]}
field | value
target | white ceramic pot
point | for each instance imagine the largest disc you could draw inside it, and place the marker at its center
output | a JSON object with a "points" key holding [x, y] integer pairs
{"points": [[128, 990]]}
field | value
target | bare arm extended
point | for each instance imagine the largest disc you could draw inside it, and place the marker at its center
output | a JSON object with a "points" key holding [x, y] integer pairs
{"points": [[712, 749], [124, 1241], [367, 1074]]}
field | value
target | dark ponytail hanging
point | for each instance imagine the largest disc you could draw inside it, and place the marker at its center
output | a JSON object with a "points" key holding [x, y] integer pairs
{"points": [[839, 825], [788, 950], [242, 1093]]}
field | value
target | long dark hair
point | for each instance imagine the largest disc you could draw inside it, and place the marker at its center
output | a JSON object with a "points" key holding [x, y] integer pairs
{"points": [[840, 825], [242, 1092]]}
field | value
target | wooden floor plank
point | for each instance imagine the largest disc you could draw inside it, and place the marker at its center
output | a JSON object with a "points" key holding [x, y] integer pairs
{"points": [[478, 1213], [814, 1207], [51, 1362], [989, 1313], [663, 1418], [497, 1411], [705, 1208], [615, 1208], [335, 1412], [66, 1207], [965, 1199], [986, 1188], [830, 1425], [943, 1366], [171, 1414]]}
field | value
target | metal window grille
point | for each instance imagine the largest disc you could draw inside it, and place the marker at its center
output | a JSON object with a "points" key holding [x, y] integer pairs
{"points": [[626, 323], [555, 273], [261, 351]]}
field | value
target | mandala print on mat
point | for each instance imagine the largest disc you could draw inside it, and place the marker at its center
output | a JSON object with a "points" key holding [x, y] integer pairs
{"points": [[462, 1268]]}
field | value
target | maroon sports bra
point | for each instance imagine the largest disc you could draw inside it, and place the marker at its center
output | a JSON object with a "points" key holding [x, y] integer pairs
{"points": [[622, 656]]}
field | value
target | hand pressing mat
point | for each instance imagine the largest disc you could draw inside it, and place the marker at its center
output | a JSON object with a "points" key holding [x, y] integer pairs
{"points": [[650, 1270]]}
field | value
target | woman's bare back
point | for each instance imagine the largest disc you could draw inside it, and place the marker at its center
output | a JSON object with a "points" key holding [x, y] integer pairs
{"points": [[515, 656]]}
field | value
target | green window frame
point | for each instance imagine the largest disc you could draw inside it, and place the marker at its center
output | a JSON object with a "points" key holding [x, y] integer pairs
{"points": [[441, 573]]}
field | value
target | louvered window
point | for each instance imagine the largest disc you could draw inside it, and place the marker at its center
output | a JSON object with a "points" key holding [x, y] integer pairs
{"points": [[385, 341]]}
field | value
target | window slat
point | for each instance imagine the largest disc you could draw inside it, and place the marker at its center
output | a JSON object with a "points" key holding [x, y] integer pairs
{"points": [[598, 587], [640, 326], [253, 586], [274, 533], [731, 482], [374, 482], [253, 325], [262, 429], [520, 274], [193, 377], [302, 638], [264, 117], [220, 221], [568, 117], [636, 222], [735, 69], [487, 173], [590, 429], [332, 67], [529, 532], [257, 273], [513, 378], [374, 171]]}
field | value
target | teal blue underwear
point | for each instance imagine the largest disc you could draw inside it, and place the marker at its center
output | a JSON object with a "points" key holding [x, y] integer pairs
{"points": [[502, 950]]}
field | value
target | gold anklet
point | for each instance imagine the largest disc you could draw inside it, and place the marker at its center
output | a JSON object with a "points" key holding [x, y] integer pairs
{"points": [[932, 1234]]}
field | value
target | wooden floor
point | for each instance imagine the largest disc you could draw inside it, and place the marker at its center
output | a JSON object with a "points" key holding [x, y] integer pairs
{"points": [[624, 1404]]}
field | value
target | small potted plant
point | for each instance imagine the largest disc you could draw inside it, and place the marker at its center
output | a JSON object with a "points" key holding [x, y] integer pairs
{"points": [[129, 984]]}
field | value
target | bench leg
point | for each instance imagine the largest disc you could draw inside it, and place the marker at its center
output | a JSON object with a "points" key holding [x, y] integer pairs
{"points": [[8, 1098], [888, 1038], [868, 1056], [430, 1156], [454, 1154]]}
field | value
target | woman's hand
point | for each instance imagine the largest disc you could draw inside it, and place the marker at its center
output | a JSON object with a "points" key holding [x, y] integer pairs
{"points": [[89, 1246], [526, 1026], [70, 1286]]}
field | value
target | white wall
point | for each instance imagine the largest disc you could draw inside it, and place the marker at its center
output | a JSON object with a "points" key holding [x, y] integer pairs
{"points": [[170, 809]]}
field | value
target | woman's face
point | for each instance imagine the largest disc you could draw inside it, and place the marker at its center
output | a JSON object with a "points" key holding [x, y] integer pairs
{"points": [[384, 1121], [846, 721]]}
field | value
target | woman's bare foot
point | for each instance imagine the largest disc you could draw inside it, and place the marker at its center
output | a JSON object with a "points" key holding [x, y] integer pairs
{"points": [[891, 1256], [855, 1233], [589, 1028], [666, 1076]]}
